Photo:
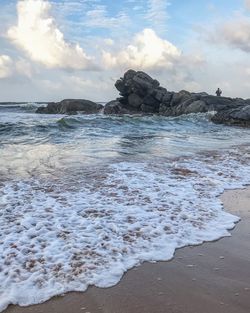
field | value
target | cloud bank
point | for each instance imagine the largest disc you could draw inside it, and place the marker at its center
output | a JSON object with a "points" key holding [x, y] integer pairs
{"points": [[147, 52], [37, 34]]}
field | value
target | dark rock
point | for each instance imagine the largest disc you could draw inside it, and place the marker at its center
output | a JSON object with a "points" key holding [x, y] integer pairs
{"points": [[71, 106], [180, 97], [41, 110], [149, 109], [151, 101], [130, 74], [83, 106], [134, 100], [219, 103], [167, 98], [52, 108], [140, 93], [114, 107], [121, 87], [239, 116], [159, 93], [185, 102], [198, 106]]}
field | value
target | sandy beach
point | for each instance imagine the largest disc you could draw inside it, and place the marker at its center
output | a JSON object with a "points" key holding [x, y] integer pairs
{"points": [[213, 277]]}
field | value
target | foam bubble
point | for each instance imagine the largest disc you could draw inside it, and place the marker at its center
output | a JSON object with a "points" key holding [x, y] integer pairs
{"points": [[88, 228]]}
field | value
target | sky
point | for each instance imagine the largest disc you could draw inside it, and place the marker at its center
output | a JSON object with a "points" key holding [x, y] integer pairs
{"points": [[56, 49]]}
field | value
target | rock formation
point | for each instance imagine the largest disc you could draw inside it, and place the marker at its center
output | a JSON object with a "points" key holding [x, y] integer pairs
{"points": [[141, 94], [71, 106], [239, 116]]}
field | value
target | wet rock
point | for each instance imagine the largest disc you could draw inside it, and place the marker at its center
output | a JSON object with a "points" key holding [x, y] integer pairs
{"points": [[151, 101], [198, 106], [51, 107], [219, 103], [180, 97], [149, 109], [140, 93], [239, 116], [71, 106], [115, 107], [134, 100]]}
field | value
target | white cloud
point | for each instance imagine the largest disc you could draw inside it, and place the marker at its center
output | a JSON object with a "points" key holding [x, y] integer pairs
{"points": [[6, 66], [11, 67], [147, 52], [37, 34]]}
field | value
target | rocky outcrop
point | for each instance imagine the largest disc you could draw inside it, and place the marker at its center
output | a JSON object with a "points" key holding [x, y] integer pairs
{"points": [[239, 116], [140, 93], [71, 106], [116, 107]]}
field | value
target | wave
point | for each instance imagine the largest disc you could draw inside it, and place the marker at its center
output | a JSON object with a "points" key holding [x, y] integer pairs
{"points": [[32, 105], [89, 226], [21, 107]]}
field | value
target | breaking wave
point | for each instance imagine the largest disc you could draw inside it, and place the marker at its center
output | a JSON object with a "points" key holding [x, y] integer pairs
{"points": [[85, 198]]}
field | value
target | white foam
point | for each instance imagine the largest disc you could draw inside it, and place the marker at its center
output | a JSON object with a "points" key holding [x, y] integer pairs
{"points": [[91, 227]]}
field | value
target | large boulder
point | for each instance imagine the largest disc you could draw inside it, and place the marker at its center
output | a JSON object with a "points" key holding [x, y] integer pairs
{"points": [[71, 106], [51, 108], [135, 101], [139, 92], [116, 107], [239, 116], [184, 102]]}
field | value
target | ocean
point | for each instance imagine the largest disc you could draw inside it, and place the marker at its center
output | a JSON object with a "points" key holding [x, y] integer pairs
{"points": [[84, 198]]}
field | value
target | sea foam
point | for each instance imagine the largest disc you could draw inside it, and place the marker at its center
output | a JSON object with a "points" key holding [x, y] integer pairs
{"points": [[91, 226]]}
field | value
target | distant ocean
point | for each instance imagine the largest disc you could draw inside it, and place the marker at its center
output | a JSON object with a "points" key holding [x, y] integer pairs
{"points": [[84, 198]]}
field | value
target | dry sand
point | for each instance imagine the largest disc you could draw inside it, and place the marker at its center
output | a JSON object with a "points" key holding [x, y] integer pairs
{"points": [[213, 277]]}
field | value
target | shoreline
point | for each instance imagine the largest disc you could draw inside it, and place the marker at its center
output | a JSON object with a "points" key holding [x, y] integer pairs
{"points": [[212, 277]]}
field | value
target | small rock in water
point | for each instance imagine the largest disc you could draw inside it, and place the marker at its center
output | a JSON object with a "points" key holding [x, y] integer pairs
{"points": [[222, 257]]}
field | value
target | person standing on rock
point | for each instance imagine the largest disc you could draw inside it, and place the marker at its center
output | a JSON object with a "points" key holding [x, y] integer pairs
{"points": [[218, 92]]}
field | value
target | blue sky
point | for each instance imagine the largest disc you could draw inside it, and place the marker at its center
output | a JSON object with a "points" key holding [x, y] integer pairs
{"points": [[54, 49]]}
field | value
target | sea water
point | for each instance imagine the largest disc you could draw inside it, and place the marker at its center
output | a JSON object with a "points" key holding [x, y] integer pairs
{"points": [[84, 198]]}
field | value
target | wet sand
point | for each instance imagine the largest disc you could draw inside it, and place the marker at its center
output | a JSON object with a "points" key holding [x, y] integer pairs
{"points": [[213, 277]]}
